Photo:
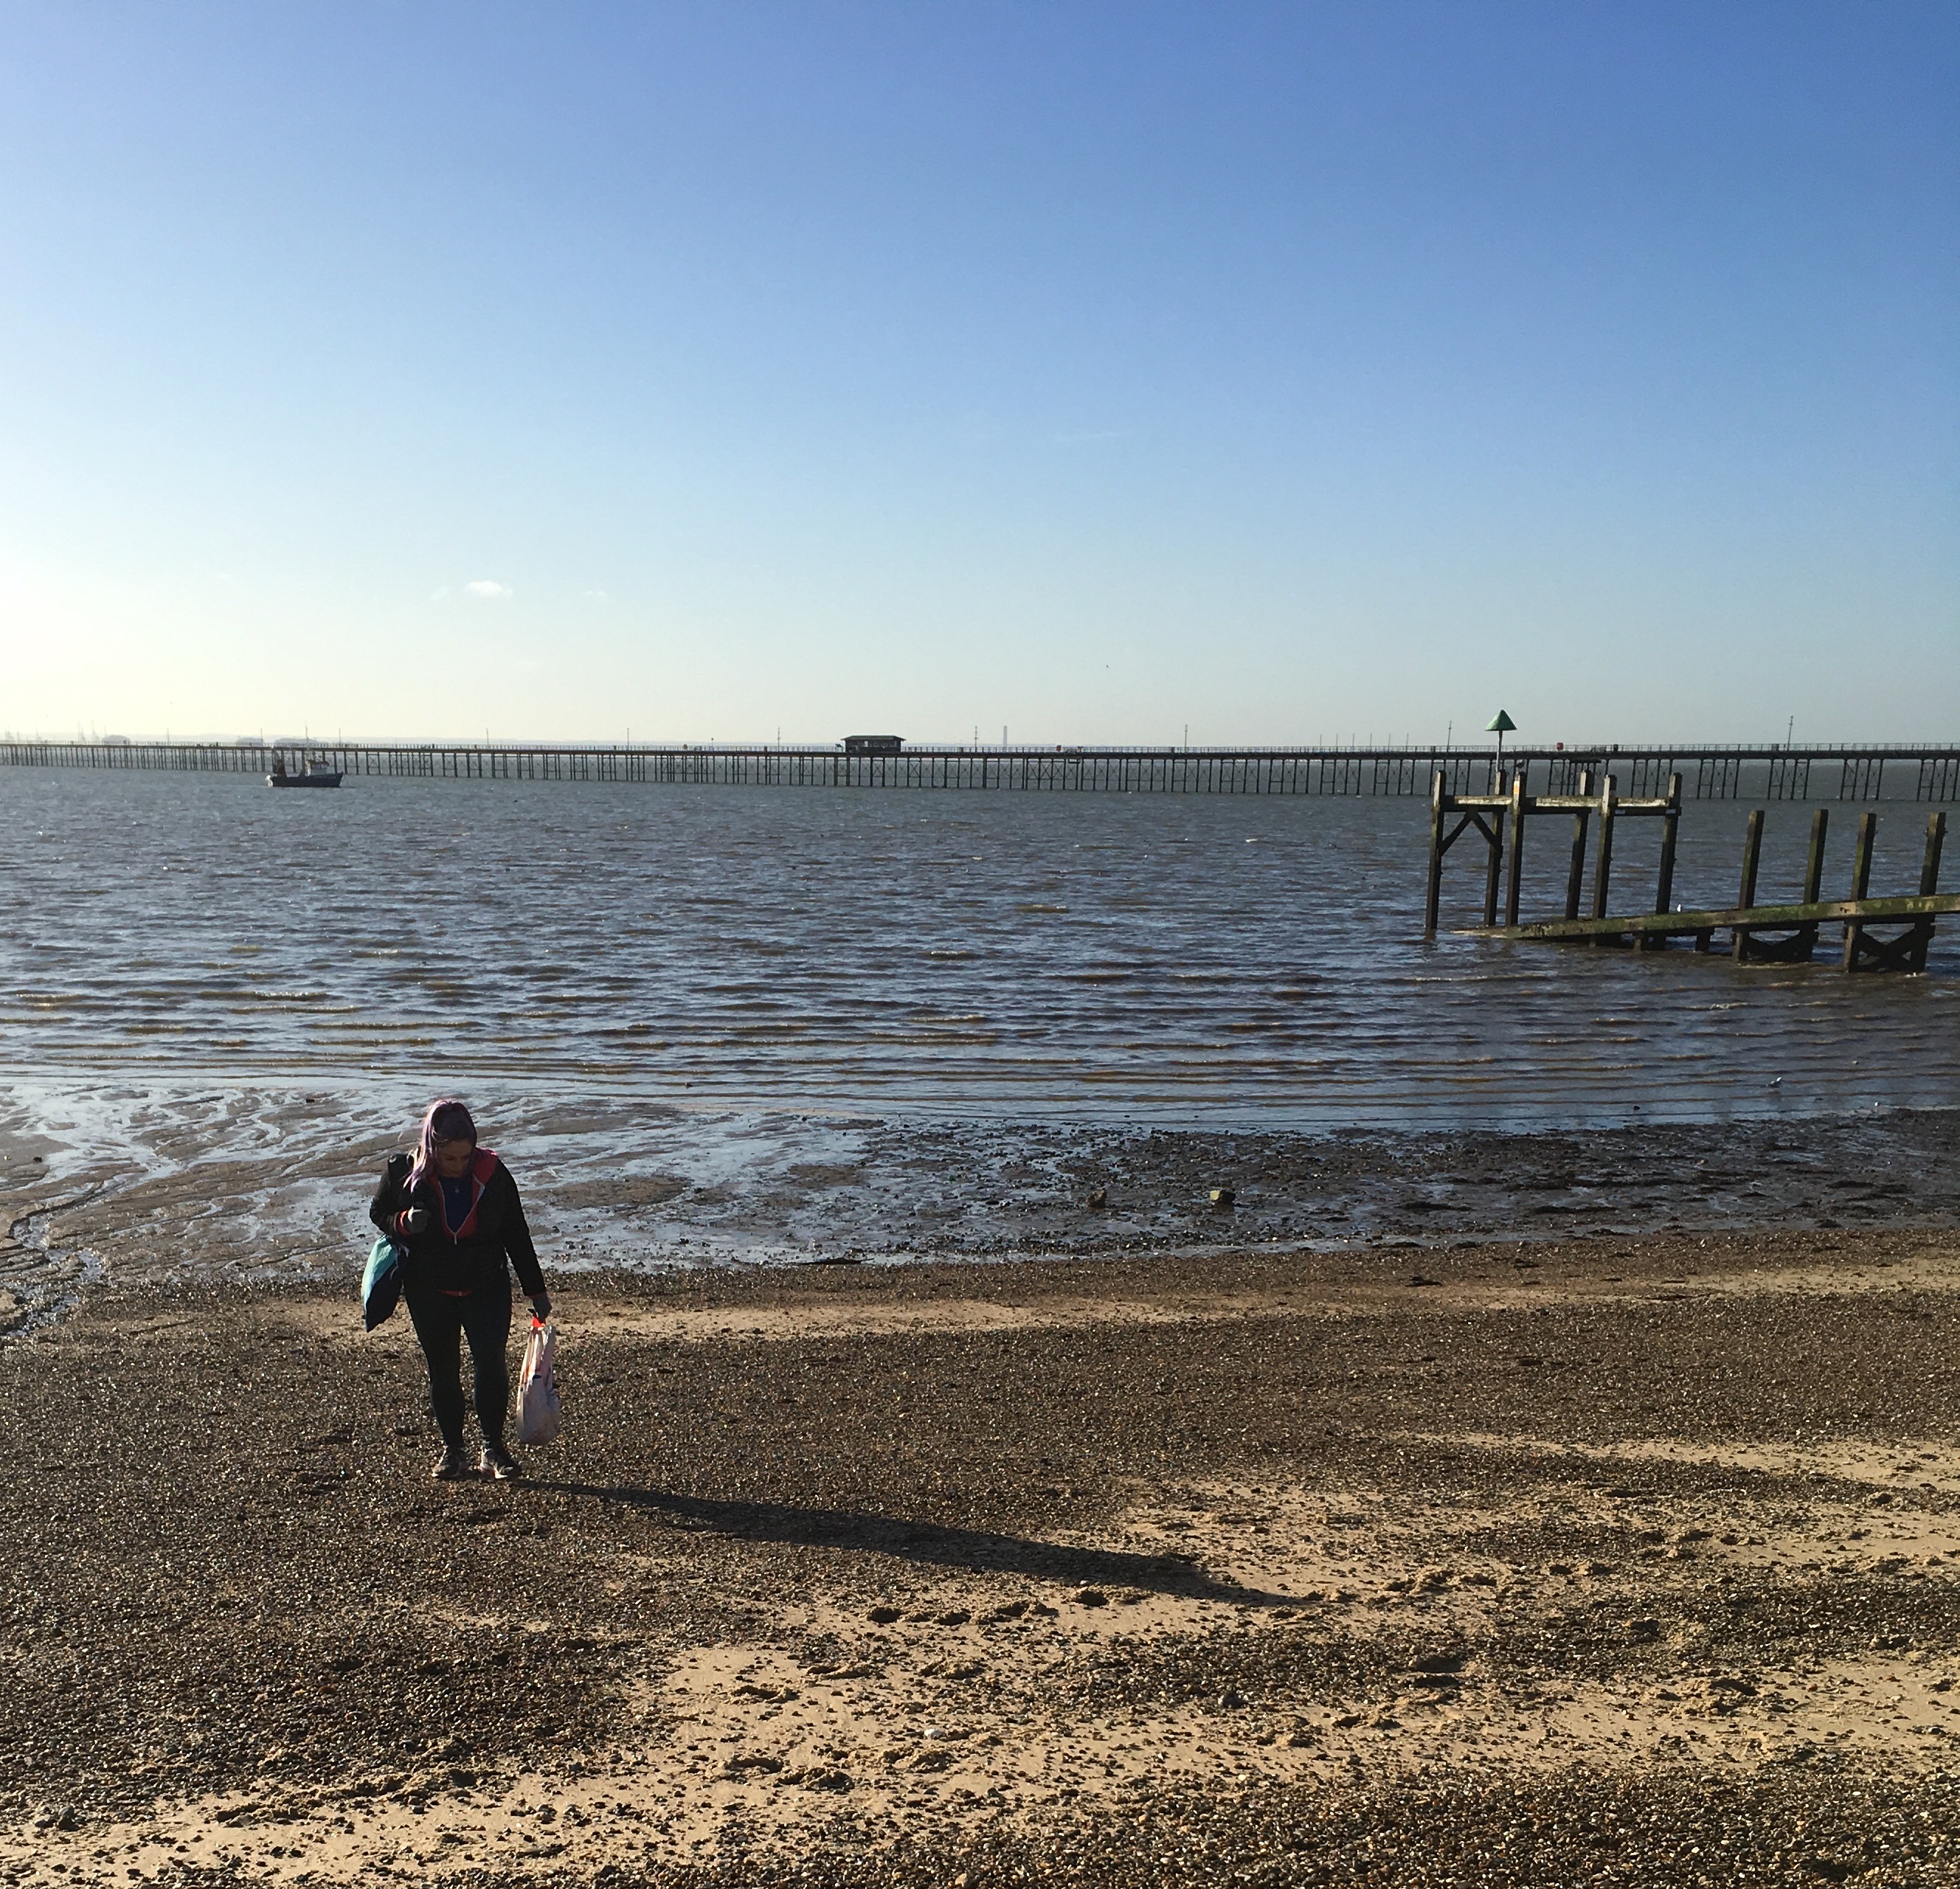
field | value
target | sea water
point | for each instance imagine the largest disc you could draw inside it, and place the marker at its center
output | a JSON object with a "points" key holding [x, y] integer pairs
{"points": [[199, 970]]}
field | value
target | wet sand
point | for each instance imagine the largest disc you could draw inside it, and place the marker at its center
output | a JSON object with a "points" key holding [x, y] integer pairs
{"points": [[1630, 1560], [250, 1185]]}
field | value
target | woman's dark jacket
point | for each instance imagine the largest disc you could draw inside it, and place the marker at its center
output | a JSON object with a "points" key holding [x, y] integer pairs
{"points": [[494, 1232]]}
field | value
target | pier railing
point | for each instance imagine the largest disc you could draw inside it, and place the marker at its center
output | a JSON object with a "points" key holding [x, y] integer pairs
{"points": [[1927, 772]]}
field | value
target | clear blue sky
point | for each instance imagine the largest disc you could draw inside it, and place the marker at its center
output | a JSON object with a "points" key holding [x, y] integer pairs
{"points": [[1283, 371]]}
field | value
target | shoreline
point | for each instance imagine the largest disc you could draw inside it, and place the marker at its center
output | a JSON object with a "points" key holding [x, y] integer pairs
{"points": [[1530, 1559], [197, 1195]]}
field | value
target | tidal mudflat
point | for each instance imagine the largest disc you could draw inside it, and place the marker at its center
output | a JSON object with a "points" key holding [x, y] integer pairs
{"points": [[1615, 1559]]}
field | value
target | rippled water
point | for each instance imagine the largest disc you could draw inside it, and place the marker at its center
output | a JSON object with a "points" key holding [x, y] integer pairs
{"points": [[1102, 958]]}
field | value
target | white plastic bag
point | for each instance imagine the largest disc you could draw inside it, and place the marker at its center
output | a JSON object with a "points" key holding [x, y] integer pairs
{"points": [[538, 1419]]}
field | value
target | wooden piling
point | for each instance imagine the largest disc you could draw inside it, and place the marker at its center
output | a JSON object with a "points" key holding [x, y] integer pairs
{"points": [[1813, 871], [1494, 864], [1861, 855], [1435, 897], [1935, 841], [1801, 946], [1670, 829], [1861, 880], [1575, 877], [1515, 885], [1929, 884], [1609, 797], [1752, 854]]}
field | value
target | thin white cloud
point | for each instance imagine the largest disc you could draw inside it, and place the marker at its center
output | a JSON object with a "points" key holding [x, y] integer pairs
{"points": [[597, 596], [488, 589]]}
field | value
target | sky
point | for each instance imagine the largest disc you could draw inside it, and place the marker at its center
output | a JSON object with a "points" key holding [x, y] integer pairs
{"points": [[1132, 373]]}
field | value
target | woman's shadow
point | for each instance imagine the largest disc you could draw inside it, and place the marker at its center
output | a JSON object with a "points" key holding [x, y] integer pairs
{"points": [[974, 1549]]}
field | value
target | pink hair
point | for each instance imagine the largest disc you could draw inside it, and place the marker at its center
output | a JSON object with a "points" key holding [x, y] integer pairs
{"points": [[447, 1120]]}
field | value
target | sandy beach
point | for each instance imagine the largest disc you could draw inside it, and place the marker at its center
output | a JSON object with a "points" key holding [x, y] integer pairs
{"points": [[1615, 1559]]}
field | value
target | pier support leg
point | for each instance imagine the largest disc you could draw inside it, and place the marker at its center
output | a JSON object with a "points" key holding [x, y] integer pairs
{"points": [[1929, 884], [1805, 944], [1434, 896], [1514, 884], [1670, 829], [1861, 880], [1575, 877], [1602, 869], [1494, 864], [1752, 854], [1813, 871], [1936, 841]]}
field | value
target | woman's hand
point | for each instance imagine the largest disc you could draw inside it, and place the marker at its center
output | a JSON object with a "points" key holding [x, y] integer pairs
{"points": [[418, 1222], [541, 1306]]}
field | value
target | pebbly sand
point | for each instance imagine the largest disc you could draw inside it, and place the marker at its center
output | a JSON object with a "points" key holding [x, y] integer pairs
{"points": [[1613, 1560]]}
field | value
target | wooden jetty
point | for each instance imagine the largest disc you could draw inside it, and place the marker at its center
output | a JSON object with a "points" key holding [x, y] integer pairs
{"points": [[1758, 933], [1928, 772]]}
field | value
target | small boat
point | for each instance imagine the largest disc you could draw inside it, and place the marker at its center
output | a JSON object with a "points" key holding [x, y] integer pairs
{"points": [[315, 774]]}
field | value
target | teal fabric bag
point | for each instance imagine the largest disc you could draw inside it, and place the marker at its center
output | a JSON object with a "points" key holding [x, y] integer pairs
{"points": [[381, 1283]]}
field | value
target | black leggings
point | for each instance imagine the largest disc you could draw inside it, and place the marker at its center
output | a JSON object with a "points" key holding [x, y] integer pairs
{"points": [[441, 1321]]}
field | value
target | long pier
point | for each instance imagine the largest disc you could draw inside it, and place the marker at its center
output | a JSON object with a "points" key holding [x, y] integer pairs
{"points": [[1929, 772]]}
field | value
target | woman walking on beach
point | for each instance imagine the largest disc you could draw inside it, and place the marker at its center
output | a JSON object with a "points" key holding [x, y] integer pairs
{"points": [[454, 1209]]}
